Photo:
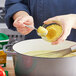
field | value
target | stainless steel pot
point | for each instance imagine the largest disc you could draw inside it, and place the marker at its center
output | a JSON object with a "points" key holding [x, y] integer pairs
{"points": [[36, 66]]}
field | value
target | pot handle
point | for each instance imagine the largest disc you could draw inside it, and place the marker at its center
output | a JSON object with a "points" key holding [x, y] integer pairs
{"points": [[8, 52], [73, 48]]}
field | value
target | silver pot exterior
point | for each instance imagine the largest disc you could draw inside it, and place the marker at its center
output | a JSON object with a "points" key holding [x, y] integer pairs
{"points": [[33, 66]]}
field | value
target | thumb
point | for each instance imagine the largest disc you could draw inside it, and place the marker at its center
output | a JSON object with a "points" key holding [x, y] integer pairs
{"points": [[53, 20], [50, 20]]}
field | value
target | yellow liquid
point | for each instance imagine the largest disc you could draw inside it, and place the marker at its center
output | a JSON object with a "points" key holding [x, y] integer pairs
{"points": [[54, 32], [42, 31], [50, 33], [46, 54]]}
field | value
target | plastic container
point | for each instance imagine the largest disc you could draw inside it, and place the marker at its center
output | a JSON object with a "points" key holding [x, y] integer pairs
{"points": [[3, 40]]}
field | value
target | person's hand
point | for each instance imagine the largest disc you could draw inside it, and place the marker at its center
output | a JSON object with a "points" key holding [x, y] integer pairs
{"points": [[20, 23], [66, 21]]}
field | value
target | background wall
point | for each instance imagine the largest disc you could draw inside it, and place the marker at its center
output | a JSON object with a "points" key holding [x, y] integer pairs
{"points": [[2, 2]]}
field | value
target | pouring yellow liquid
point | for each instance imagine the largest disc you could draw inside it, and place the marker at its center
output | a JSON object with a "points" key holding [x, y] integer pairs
{"points": [[50, 33], [54, 32]]}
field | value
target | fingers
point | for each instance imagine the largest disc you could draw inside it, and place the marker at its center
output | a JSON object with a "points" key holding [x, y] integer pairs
{"points": [[20, 23], [24, 31], [57, 42], [56, 19], [50, 20]]}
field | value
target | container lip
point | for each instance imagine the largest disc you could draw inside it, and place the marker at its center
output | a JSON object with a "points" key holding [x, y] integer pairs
{"points": [[42, 57], [4, 40]]}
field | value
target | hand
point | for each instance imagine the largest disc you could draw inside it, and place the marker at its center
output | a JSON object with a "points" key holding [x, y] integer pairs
{"points": [[21, 21], [66, 21]]}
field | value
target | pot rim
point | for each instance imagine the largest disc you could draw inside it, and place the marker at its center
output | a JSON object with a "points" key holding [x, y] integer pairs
{"points": [[41, 57], [45, 57]]}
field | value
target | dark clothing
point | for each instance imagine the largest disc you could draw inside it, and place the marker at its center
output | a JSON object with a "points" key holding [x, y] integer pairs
{"points": [[40, 10]]}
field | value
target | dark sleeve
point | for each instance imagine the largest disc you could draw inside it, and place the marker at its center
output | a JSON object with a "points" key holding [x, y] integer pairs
{"points": [[13, 6]]}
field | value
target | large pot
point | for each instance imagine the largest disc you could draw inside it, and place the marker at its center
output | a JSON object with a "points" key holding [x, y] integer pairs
{"points": [[36, 66]]}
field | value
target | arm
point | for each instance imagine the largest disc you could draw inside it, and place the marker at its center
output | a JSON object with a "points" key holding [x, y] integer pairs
{"points": [[12, 7]]}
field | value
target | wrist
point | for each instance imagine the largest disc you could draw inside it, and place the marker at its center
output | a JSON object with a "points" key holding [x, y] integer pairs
{"points": [[20, 13]]}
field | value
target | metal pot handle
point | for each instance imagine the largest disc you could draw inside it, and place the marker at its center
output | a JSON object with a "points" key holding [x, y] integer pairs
{"points": [[8, 52], [73, 48]]}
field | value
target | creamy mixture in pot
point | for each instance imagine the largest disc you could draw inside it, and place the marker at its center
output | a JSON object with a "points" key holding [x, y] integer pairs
{"points": [[46, 54]]}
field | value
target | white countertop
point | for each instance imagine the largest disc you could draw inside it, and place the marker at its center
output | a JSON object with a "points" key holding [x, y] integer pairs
{"points": [[9, 58]]}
